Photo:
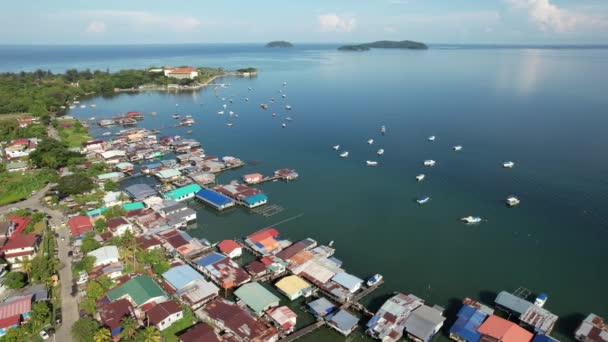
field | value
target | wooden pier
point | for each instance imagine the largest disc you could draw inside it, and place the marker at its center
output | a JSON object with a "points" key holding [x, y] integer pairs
{"points": [[304, 331]]}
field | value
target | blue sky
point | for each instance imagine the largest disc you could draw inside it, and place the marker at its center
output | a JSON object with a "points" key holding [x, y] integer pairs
{"points": [[231, 21]]}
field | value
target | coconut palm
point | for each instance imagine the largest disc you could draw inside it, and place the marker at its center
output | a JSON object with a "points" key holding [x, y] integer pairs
{"points": [[129, 326], [151, 334], [102, 335]]}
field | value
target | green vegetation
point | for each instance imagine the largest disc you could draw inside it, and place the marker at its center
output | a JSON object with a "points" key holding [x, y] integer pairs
{"points": [[110, 185], [100, 226], [73, 133], [54, 154], [148, 334], [84, 329], [15, 186], [249, 70], [102, 335], [89, 243], [15, 280], [169, 334], [34, 225], [76, 183], [155, 258], [10, 130], [115, 211], [279, 44], [86, 265], [44, 265], [385, 44]]}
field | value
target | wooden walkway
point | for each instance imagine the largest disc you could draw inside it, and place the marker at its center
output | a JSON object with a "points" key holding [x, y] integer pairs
{"points": [[268, 210], [307, 330]]}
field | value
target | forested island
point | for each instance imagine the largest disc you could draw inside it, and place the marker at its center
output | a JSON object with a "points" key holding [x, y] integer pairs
{"points": [[279, 44], [385, 44]]}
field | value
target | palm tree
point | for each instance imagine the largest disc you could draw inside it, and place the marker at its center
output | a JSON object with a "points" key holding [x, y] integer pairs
{"points": [[151, 334], [102, 335], [129, 326], [26, 267]]}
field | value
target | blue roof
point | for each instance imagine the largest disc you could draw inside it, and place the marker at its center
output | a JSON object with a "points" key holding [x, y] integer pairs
{"points": [[543, 338], [256, 198], [214, 197], [153, 165], [210, 259], [469, 319], [321, 306], [180, 276]]}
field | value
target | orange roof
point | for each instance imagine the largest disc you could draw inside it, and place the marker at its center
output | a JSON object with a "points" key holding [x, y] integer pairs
{"points": [[503, 330], [263, 234], [182, 70], [227, 246]]}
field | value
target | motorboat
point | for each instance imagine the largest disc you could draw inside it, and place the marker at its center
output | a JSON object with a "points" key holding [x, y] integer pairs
{"points": [[344, 154], [371, 163], [93, 105], [429, 162], [380, 152], [431, 138], [72, 107], [283, 96], [471, 219], [249, 88], [230, 113], [175, 116], [370, 141], [284, 83], [383, 129], [512, 201], [374, 280], [224, 105], [107, 133], [246, 99], [221, 112], [274, 114], [541, 299], [283, 125], [223, 99], [508, 165], [229, 124], [457, 148], [420, 177], [264, 106], [83, 106], [188, 116], [336, 147], [288, 118], [92, 118], [287, 107], [423, 200]]}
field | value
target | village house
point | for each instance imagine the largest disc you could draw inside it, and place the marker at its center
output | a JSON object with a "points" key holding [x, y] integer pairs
{"points": [[20, 148], [94, 146], [111, 314], [200, 332], [119, 225], [139, 290], [230, 248], [163, 315], [181, 73], [79, 226], [13, 312], [105, 255], [25, 121], [21, 247]]}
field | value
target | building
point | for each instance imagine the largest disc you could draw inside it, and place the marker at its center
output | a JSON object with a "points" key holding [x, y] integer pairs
{"points": [[79, 226], [248, 196], [253, 178], [114, 156], [183, 193], [230, 248], [7, 228], [321, 307], [163, 315], [105, 255], [202, 178], [199, 293], [25, 121], [200, 332], [12, 313], [148, 242], [293, 287], [181, 73], [343, 321], [470, 316], [348, 281], [113, 176], [139, 290], [495, 328], [222, 270], [182, 277], [389, 322], [423, 323], [168, 175], [592, 329], [266, 241], [286, 174], [124, 167], [180, 219], [215, 199], [21, 247], [140, 191], [511, 303], [111, 314], [235, 320], [133, 206], [94, 146], [539, 320], [256, 297], [283, 317], [119, 225]]}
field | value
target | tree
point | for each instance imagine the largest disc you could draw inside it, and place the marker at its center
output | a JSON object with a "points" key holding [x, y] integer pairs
{"points": [[100, 226], [53, 154], [129, 246], [86, 264], [84, 329], [105, 282], [14, 280], [94, 290], [89, 243], [26, 267], [102, 335], [151, 334], [156, 259], [129, 326], [89, 305], [40, 314], [110, 185], [76, 183], [115, 211], [18, 334]]}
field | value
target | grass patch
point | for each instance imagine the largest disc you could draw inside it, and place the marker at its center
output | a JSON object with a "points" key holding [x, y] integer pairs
{"points": [[15, 185], [73, 133], [170, 334]]}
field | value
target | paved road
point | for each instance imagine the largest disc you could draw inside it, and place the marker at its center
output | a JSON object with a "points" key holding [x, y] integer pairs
{"points": [[69, 305]]}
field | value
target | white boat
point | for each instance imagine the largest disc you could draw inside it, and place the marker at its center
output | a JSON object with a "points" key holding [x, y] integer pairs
{"points": [[471, 219], [429, 162], [420, 177], [107, 133], [283, 96], [93, 105], [374, 280], [288, 118], [189, 116], [175, 116], [223, 99], [83, 106], [508, 165], [274, 114], [284, 83], [380, 152], [249, 88], [221, 112], [457, 148], [287, 107], [92, 118], [370, 141], [331, 243], [76, 102], [541, 299], [371, 163], [512, 201], [283, 125], [230, 113], [224, 105], [344, 154], [246, 99], [229, 124], [423, 200], [431, 138], [72, 107], [336, 147]]}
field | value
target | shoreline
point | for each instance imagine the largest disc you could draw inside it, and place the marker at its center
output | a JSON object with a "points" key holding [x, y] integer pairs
{"points": [[182, 88]]}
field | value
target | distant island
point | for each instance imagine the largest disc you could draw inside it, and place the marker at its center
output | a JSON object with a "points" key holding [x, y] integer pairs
{"points": [[279, 44], [385, 44]]}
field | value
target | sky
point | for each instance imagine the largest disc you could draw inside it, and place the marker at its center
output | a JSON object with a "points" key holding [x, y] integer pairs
{"points": [[335, 21]]}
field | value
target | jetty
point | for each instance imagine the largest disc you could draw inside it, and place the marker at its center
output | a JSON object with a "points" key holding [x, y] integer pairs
{"points": [[304, 331]]}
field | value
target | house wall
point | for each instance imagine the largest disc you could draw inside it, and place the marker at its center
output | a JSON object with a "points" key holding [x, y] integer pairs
{"points": [[167, 322]]}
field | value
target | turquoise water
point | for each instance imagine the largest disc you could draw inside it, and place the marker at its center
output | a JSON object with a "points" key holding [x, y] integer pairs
{"points": [[545, 109]]}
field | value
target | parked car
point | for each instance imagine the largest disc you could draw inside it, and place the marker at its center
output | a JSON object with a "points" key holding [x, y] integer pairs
{"points": [[43, 335]]}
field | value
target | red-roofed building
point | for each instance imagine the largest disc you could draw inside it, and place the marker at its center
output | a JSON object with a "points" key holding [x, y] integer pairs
{"points": [[256, 268], [499, 329], [119, 225], [181, 73], [21, 247], [112, 314], [253, 178], [20, 223], [284, 317], [231, 248], [13, 312], [200, 332], [79, 226], [148, 242], [94, 146], [163, 315]]}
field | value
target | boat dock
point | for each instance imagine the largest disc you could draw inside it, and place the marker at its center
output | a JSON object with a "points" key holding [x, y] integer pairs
{"points": [[304, 331]]}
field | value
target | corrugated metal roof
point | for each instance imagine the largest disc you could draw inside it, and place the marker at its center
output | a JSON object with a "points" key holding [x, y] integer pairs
{"points": [[512, 302], [210, 259], [347, 280], [343, 320], [292, 285], [141, 289], [133, 206], [469, 319], [181, 276], [321, 306], [424, 322], [214, 197], [256, 297], [168, 173], [183, 191]]}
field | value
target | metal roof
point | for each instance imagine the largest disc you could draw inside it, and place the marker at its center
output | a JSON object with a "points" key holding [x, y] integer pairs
{"points": [[105, 255], [346, 280], [168, 173], [512, 302], [424, 322], [257, 297], [183, 191], [210, 259], [181, 276], [343, 320], [469, 319], [213, 197], [321, 306], [140, 191], [256, 198], [141, 289]]}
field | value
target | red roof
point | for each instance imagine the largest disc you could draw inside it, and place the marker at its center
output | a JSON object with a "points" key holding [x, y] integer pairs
{"points": [[266, 261], [79, 225], [112, 314], [147, 241], [263, 234], [182, 70], [18, 254], [503, 330], [116, 222], [16, 307], [20, 223], [21, 241], [199, 332], [163, 310], [227, 246], [10, 321], [255, 267]]}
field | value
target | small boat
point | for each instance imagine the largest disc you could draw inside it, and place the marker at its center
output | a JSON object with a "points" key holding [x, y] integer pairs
{"points": [[287, 107], [284, 83], [272, 100], [380, 152], [420, 177], [471, 219], [371, 163], [423, 200], [230, 113], [223, 99], [83, 106], [175, 116], [76, 102], [512, 201], [279, 91], [370, 141], [224, 105], [383, 130], [541, 299], [331, 243], [283, 96], [188, 116], [153, 113], [336, 147], [274, 114], [264, 106], [431, 138], [246, 99], [288, 118], [229, 124], [249, 88], [72, 107], [107, 133], [231, 100], [283, 125], [344, 154], [189, 132], [429, 162], [508, 165], [221, 112], [93, 105], [457, 148], [374, 280], [92, 118]]}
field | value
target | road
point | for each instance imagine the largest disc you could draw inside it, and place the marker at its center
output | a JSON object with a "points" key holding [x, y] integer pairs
{"points": [[69, 305]]}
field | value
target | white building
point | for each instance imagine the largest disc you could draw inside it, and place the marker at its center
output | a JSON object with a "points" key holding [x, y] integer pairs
{"points": [[181, 73], [163, 315], [105, 255]]}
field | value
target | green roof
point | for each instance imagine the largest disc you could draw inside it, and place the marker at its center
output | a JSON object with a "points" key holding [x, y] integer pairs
{"points": [[97, 211], [141, 289], [183, 191], [257, 297], [133, 206]]}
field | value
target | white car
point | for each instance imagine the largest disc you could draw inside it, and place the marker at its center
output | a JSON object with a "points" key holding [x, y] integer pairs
{"points": [[82, 280], [43, 335]]}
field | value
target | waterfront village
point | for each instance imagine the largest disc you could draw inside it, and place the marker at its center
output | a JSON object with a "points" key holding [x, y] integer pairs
{"points": [[136, 268]]}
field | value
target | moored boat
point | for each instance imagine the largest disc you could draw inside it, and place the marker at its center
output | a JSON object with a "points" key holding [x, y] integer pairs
{"points": [[175, 116], [512, 201], [370, 141], [431, 138], [383, 129], [471, 219], [457, 148], [420, 177], [380, 152], [541, 299], [344, 154], [374, 280], [508, 164], [423, 200], [336, 147], [429, 162], [371, 163]]}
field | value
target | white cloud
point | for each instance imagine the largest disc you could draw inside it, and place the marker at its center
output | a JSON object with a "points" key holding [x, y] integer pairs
{"points": [[144, 21], [331, 22], [96, 26], [549, 17], [400, 2]]}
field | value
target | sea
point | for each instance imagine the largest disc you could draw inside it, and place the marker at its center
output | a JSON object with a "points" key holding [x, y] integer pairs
{"points": [[542, 107]]}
